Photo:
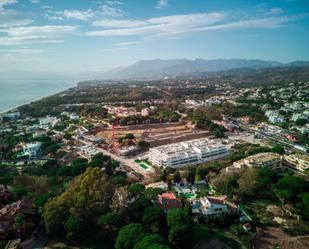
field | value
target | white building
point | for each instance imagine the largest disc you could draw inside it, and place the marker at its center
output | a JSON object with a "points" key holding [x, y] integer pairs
{"points": [[145, 112], [33, 150], [297, 162], [11, 115], [187, 153], [297, 116], [48, 121], [212, 206], [274, 117], [261, 160], [161, 185]]}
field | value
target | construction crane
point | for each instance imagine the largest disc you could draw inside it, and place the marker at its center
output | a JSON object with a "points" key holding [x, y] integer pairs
{"points": [[114, 146]]}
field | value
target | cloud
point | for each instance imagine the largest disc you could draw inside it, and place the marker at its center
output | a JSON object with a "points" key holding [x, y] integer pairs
{"points": [[161, 25], [180, 24], [7, 2], [113, 2], [120, 44], [82, 15], [275, 11], [79, 15], [35, 1], [109, 9], [22, 51], [35, 34], [112, 23], [114, 49], [10, 17], [161, 4]]}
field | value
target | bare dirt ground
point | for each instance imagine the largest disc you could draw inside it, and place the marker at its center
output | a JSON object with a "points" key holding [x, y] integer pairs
{"points": [[156, 134], [274, 237]]}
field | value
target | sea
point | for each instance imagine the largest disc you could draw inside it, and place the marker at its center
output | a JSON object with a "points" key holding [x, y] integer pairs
{"points": [[14, 93]]}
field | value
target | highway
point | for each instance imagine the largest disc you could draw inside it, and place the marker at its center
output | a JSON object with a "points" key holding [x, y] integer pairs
{"points": [[271, 137]]}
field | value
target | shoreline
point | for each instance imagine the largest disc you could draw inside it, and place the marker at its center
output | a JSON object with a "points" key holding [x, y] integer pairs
{"points": [[9, 109]]}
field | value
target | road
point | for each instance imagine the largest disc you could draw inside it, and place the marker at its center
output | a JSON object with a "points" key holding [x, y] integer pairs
{"points": [[127, 162], [271, 137]]}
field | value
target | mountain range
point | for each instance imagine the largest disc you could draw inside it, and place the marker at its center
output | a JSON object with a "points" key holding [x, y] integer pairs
{"points": [[153, 69]]}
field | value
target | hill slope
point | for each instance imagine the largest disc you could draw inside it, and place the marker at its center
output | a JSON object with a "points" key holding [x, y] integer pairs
{"points": [[180, 67]]}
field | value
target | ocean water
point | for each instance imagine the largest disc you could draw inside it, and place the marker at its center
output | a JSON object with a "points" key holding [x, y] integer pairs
{"points": [[14, 93]]}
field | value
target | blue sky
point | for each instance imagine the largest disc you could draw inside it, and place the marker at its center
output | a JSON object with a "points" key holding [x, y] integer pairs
{"points": [[86, 35]]}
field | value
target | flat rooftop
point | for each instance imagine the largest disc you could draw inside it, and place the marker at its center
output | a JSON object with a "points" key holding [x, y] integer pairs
{"points": [[188, 147]]}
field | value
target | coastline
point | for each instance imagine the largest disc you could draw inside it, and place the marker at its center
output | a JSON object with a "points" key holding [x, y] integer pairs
{"points": [[9, 109]]}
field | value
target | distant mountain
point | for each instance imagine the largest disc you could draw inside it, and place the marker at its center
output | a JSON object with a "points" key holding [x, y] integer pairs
{"points": [[146, 69]]}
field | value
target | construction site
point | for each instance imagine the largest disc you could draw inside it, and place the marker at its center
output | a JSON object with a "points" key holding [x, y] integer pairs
{"points": [[154, 134]]}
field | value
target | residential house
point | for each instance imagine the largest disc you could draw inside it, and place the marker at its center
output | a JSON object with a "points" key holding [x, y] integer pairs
{"points": [[296, 162], [33, 150], [161, 185], [213, 206], [168, 201], [265, 160], [8, 215]]}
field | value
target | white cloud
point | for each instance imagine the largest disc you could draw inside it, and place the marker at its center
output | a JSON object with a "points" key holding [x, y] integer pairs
{"points": [[275, 11], [35, 34], [79, 15], [7, 2], [114, 49], [35, 1], [10, 17], [120, 44], [22, 51], [112, 23], [110, 11], [113, 2], [179, 24], [161, 4], [160, 25], [82, 15]]}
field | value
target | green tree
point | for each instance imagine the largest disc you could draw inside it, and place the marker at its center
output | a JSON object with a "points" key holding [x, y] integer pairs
{"points": [[110, 219], [73, 227], [143, 145], [87, 195], [152, 193], [278, 149], [136, 189], [152, 241], [154, 218], [191, 177], [129, 136], [301, 121], [177, 177], [19, 221], [179, 236], [178, 216], [129, 235]]}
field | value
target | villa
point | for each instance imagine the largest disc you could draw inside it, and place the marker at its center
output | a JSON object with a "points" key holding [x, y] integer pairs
{"points": [[168, 201], [213, 206]]}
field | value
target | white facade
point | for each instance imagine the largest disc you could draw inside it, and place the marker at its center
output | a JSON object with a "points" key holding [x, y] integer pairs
{"points": [[48, 121], [187, 153], [297, 162], [212, 206], [33, 150], [274, 117]]}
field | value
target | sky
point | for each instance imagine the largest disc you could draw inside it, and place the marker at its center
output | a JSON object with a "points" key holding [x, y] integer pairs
{"points": [[74, 36]]}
